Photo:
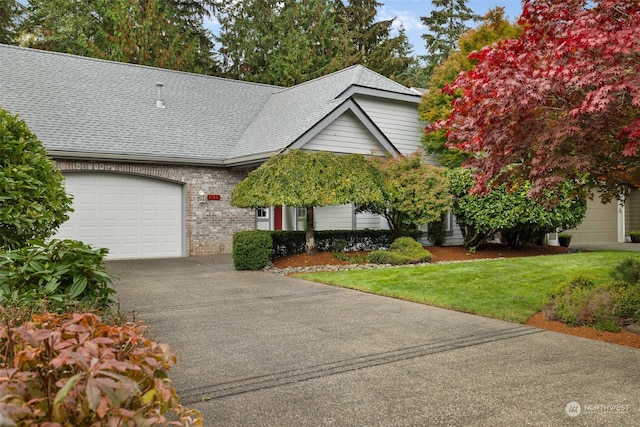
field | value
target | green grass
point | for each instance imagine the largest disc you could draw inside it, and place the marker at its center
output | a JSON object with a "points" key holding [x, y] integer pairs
{"points": [[510, 289]]}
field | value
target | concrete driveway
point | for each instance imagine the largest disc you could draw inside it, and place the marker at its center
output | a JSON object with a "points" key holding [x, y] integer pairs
{"points": [[258, 349]]}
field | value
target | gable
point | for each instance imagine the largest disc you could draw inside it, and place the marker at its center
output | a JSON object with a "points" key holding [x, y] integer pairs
{"points": [[86, 108], [399, 121], [346, 134]]}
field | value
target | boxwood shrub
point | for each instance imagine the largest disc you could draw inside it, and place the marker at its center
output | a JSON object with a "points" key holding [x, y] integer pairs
{"points": [[403, 250], [251, 249], [288, 243]]}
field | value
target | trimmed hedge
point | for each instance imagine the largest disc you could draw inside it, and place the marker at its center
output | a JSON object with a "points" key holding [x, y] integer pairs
{"points": [[251, 249], [288, 243], [293, 242]]}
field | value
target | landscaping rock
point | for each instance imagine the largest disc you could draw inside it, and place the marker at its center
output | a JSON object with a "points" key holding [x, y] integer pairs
{"points": [[633, 328]]}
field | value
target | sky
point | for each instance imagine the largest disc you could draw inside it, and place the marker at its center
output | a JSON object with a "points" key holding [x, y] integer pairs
{"points": [[408, 13]]}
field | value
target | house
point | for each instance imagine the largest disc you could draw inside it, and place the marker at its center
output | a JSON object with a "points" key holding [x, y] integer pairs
{"points": [[151, 155]]}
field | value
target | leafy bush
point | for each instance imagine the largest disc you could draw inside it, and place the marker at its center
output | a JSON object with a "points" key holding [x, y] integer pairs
{"points": [[627, 272], [581, 301], [337, 249], [293, 242], [358, 240], [33, 203], [73, 369], [510, 210], [57, 274], [403, 250], [628, 306], [288, 243], [251, 249], [387, 257], [437, 231], [406, 245]]}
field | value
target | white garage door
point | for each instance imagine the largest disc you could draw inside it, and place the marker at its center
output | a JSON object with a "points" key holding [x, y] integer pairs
{"points": [[132, 216]]}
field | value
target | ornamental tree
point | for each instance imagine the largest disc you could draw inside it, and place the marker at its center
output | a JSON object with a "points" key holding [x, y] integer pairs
{"points": [[435, 104], [309, 179], [414, 194], [33, 201], [519, 219], [560, 103]]}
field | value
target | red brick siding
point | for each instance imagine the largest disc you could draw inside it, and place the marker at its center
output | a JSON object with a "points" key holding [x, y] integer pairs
{"points": [[210, 225]]}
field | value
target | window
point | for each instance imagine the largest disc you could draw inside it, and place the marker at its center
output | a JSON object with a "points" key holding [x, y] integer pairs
{"points": [[301, 213], [262, 213]]}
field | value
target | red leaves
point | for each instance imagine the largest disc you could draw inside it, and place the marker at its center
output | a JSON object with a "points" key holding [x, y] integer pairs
{"points": [[551, 100], [72, 368]]}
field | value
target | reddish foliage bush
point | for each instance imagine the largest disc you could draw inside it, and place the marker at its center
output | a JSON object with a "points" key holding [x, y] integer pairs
{"points": [[72, 369]]}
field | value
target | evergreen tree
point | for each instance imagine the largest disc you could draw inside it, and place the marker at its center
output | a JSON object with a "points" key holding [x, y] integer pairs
{"points": [[162, 33], [282, 42], [371, 40], [152, 32], [447, 21], [60, 25], [10, 10]]}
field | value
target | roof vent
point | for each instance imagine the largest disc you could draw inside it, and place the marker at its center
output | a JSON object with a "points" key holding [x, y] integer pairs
{"points": [[159, 103]]}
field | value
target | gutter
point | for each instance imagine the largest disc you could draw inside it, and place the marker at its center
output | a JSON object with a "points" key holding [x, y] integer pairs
{"points": [[133, 158]]}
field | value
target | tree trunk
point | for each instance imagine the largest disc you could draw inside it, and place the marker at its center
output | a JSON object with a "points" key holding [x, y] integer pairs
{"points": [[311, 241]]}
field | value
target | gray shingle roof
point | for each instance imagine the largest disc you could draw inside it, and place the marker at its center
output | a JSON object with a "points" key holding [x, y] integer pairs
{"points": [[83, 105]]}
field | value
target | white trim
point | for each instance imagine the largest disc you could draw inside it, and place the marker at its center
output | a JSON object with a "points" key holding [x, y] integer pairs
{"points": [[621, 220], [348, 105], [379, 93]]}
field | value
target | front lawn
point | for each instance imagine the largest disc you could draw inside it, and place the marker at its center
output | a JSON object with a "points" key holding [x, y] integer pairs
{"points": [[510, 289]]}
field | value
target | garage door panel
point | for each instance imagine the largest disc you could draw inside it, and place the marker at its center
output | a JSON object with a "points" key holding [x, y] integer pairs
{"points": [[134, 217], [600, 224], [109, 215]]}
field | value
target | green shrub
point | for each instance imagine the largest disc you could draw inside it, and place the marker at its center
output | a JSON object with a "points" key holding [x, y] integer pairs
{"points": [[437, 231], [293, 242], [288, 243], [337, 249], [627, 272], [57, 275], [405, 245], [581, 301], [387, 257], [251, 249], [73, 369], [403, 250], [357, 240], [33, 202], [628, 306]]}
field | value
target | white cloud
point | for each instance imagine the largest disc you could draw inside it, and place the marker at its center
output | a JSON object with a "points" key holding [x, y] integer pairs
{"points": [[406, 18]]}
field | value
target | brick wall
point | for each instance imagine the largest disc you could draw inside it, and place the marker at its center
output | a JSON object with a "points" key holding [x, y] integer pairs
{"points": [[210, 225]]}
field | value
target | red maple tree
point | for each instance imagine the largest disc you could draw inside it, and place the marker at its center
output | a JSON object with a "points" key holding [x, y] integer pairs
{"points": [[561, 102]]}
